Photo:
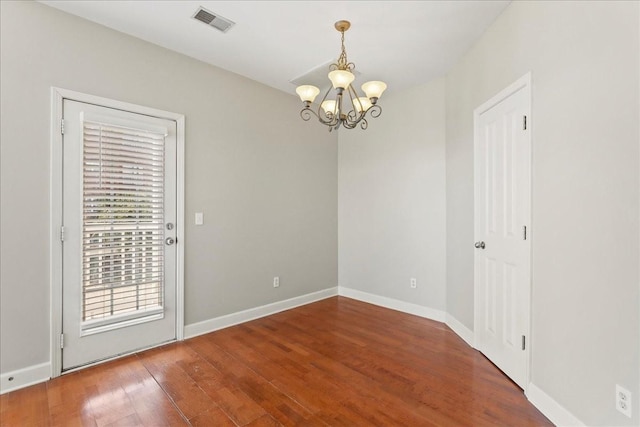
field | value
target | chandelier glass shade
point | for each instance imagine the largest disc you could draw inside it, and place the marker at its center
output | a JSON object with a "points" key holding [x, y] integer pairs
{"points": [[348, 108]]}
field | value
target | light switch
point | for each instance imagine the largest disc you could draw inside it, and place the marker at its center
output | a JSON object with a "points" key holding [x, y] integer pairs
{"points": [[199, 218]]}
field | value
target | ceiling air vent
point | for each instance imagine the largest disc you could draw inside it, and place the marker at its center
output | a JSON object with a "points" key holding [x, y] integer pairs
{"points": [[213, 20]]}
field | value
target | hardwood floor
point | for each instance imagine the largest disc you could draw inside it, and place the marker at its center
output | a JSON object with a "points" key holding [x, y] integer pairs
{"points": [[336, 362]]}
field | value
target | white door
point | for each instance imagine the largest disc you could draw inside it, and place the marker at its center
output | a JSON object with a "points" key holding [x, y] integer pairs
{"points": [[502, 230], [119, 214]]}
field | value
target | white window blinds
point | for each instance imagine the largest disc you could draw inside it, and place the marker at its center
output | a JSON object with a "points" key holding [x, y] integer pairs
{"points": [[123, 222]]}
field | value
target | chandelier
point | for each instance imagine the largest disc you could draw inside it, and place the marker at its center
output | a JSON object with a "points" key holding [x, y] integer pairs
{"points": [[347, 111]]}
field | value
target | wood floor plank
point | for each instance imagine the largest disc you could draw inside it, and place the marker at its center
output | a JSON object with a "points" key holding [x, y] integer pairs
{"points": [[166, 365], [212, 417], [264, 421], [336, 362], [69, 402], [238, 406], [26, 407]]}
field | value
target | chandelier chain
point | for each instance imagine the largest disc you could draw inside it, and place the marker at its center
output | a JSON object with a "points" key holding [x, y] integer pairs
{"points": [[342, 60]]}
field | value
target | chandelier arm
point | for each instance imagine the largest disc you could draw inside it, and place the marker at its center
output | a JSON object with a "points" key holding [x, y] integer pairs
{"points": [[354, 98], [306, 113], [349, 125], [352, 118], [351, 91], [323, 117], [355, 119], [329, 120], [375, 110]]}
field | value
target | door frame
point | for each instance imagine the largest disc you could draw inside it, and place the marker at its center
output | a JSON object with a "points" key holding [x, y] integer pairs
{"points": [[523, 83], [58, 95]]}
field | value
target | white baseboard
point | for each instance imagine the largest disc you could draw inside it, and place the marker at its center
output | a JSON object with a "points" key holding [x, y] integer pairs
{"points": [[232, 319], [461, 330], [394, 304], [25, 377], [551, 409]]}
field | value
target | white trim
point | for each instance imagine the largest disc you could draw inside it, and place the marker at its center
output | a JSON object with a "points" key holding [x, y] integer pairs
{"points": [[116, 357], [232, 319], [117, 105], [460, 329], [180, 224], [55, 245], [58, 95], [524, 83], [98, 326], [551, 409], [393, 304], [24, 377]]}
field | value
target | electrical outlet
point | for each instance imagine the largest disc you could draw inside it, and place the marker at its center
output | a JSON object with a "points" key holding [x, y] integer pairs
{"points": [[413, 282], [276, 282], [199, 218], [623, 400]]}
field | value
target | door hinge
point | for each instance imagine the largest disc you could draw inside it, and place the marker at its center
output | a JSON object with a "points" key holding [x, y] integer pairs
{"points": [[62, 233], [61, 340], [523, 342], [524, 122], [524, 232], [62, 126]]}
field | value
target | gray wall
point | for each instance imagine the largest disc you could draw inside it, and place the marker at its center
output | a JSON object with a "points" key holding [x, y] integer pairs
{"points": [[391, 199], [265, 180], [584, 62]]}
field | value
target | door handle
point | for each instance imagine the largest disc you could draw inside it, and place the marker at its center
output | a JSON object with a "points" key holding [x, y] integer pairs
{"points": [[479, 245], [170, 241]]}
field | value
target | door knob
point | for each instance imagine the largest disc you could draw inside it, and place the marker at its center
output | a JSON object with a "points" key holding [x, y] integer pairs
{"points": [[170, 241], [479, 245]]}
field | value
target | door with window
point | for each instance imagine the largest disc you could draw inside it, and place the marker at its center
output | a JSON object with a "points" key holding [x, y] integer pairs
{"points": [[502, 229], [119, 243]]}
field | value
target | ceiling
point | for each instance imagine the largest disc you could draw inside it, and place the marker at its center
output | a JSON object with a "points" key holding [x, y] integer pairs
{"points": [[404, 43]]}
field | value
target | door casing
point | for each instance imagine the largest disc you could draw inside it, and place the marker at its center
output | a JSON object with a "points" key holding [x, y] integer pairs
{"points": [[58, 95], [523, 83]]}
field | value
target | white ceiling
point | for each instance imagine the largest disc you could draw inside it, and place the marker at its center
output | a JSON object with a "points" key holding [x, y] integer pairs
{"points": [[404, 43]]}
